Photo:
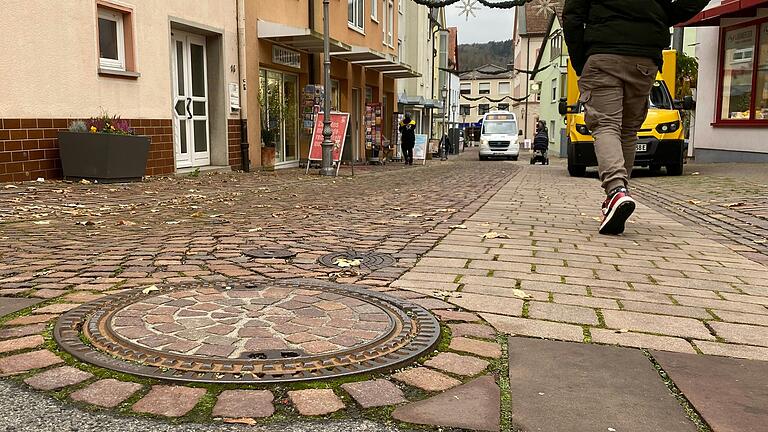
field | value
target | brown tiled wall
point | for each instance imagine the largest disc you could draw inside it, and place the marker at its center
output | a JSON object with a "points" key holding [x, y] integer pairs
{"points": [[233, 140], [29, 147]]}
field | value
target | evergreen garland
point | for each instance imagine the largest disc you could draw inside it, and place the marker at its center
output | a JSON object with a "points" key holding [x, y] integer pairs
{"points": [[507, 4]]}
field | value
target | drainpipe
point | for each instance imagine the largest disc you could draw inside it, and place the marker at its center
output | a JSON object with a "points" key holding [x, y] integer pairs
{"points": [[244, 146], [311, 22], [527, 83]]}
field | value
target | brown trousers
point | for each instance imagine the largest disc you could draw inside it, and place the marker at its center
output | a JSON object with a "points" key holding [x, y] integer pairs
{"points": [[615, 92]]}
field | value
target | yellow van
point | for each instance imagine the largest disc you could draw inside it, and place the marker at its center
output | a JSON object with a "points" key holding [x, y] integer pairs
{"points": [[661, 140]]}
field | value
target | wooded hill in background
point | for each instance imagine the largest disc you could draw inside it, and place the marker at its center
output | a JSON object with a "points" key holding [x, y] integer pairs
{"points": [[472, 56]]}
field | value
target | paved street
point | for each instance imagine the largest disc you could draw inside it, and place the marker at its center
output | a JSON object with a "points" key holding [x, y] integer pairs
{"points": [[543, 320]]}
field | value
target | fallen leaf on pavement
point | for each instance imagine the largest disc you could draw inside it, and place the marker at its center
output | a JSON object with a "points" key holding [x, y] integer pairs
{"points": [[736, 204], [45, 222], [86, 223], [414, 215], [695, 173], [11, 187], [694, 202], [345, 263], [520, 294], [198, 214], [172, 223], [40, 180], [150, 289], [43, 273], [84, 181], [622, 331], [245, 421], [458, 227], [255, 229], [493, 235], [126, 223]]}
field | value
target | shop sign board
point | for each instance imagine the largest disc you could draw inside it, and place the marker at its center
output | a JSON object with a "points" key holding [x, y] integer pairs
{"points": [[339, 124], [420, 148], [286, 57]]}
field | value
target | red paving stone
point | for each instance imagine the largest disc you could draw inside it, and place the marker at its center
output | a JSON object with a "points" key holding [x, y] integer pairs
{"points": [[25, 342], [64, 376], [169, 401], [315, 402], [244, 404], [15, 332], [457, 364], [426, 379], [374, 393], [107, 393], [28, 361], [481, 348]]}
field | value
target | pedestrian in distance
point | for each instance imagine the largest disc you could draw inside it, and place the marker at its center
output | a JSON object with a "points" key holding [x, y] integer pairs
{"points": [[616, 49], [541, 140], [408, 138]]}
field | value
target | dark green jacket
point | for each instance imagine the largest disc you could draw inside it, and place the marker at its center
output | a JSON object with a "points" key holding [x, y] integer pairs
{"points": [[638, 28]]}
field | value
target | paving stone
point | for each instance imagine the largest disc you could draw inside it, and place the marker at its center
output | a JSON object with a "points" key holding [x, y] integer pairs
{"points": [[492, 304], [169, 401], [639, 340], [83, 297], [375, 393], [244, 403], [562, 313], [617, 387], [741, 333], [31, 319], [25, 342], [107, 393], [64, 376], [15, 332], [475, 330], [449, 315], [426, 379], [666, 325], [48, 293], [27, 361], [457, 364], [730, 394], [732, 350], [56, 308], [472, 406], [674, 310], [483, 349], [315, 402], [535, 328], [743, 318], [9, 305]]}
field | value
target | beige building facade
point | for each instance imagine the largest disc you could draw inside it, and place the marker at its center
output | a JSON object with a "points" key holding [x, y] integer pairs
{"points": [[487, 88]]}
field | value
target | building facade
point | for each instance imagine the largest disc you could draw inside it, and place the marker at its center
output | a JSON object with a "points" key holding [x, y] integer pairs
{"points": [[198, 77], [731, 122], [487, 88]]}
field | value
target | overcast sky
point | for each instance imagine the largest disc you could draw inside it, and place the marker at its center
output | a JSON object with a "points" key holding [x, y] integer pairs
{"points": [[490, 24]]}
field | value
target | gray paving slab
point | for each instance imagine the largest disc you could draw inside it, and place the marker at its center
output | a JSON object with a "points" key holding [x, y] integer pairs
{"points": [[9, 305], [731, 394], [562, 386]]}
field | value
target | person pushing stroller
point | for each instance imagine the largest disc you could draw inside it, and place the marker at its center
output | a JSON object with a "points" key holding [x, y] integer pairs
{"points": [[541, 144]]}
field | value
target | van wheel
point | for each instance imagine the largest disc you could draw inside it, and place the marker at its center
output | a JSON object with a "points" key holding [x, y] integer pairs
{"points": [[514, 158], [482, 158], [654, 169], [675, 169], [577, 170]]}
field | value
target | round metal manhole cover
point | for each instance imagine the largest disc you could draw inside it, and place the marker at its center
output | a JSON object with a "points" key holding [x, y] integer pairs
{"points": [[276, 332], [270, 253], [368, 260]]}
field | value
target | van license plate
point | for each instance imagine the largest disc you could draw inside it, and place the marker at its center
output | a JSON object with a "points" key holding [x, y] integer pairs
{"points": [[642, 148]]}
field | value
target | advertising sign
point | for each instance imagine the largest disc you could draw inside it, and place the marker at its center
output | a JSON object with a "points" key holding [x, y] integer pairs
{"points": [[339, 124], [420, 149]]}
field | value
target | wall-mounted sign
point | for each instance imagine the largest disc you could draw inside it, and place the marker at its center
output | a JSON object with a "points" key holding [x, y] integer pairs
{"points": [[234, 97], [286, 57]]}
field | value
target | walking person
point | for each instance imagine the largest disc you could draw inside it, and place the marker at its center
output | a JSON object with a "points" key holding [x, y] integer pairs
{"points": [[408, 138], [616, 49]]}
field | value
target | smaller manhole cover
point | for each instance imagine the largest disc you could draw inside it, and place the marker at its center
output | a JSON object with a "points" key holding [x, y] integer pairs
{"points": [[270, 253], [368, 260]]}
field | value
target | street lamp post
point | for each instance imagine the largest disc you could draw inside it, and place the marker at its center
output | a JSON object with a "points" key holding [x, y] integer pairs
{"points": [[444, 94], [452, 121], [327, 146]]}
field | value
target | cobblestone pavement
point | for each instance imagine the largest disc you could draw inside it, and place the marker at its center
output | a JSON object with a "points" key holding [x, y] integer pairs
{"points": [[492, 249]]}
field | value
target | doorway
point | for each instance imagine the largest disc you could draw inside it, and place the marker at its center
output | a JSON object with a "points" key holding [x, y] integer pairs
{"points": [[191, 128]]}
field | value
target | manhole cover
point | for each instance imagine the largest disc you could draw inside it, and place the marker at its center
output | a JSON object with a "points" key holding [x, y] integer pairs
{"points": [[368, 260], [288, 331], [270, 253]]}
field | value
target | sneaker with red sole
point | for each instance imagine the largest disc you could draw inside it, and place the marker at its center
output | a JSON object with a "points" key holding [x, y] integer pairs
{"points": [[617, 208]]}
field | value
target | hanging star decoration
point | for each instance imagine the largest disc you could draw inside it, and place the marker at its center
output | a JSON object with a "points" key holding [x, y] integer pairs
{"points": [[468, 7], [545, 7]]}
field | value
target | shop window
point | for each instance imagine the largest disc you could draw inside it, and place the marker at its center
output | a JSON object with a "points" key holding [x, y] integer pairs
{"points": [[466, 88], [355, 13], [744, 73], [278, 100], [484, 88], [483, 109], [505, 88], [465, 109], [335, 96], [115, 39], [368, 94]]}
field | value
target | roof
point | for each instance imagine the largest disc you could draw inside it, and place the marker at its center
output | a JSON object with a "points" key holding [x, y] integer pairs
{"points": [[548, 34], [489, 71], [536, 21], [732, 9]]}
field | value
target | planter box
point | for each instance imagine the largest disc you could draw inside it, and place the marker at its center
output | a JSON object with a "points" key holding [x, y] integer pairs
{"points": [[268, 158], [103, 157]]}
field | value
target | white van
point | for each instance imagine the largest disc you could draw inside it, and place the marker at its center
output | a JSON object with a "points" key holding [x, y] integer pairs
{"points": [[499, 136]]}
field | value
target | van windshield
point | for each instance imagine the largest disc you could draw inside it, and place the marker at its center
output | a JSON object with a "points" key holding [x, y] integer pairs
{"points": [[507, 127]]}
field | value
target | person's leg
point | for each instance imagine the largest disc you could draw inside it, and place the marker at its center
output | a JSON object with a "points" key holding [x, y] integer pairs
{"points": [[638, 82], [602, 92]]}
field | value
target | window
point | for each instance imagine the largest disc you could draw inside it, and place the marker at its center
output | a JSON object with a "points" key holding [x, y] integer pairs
{"points": [[375, 10], [483, 109], [503, 107], [555, 93], [744, 74], [335, 96], [111, 40], [504, 88], [465, 109], [564, 85], [355, 12], [484, 88], [400, 6], [390, 23], [368, 94], [466, 88], [555, 47]]}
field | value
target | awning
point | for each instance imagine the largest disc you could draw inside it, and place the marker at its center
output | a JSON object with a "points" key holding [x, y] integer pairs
{"points": [[733, 9], [433, 103], [410, 100], [360, 54], [298, 38], [404, 71]]}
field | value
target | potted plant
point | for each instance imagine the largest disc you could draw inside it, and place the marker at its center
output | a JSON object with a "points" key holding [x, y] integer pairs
{"points": [[103, 148], [268, 148]]}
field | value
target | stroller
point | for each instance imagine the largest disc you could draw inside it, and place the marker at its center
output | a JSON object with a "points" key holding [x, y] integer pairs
{"points": [[541, 146]]}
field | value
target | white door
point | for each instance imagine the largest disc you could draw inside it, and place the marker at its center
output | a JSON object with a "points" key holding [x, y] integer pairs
{"points": [[190, 101]]}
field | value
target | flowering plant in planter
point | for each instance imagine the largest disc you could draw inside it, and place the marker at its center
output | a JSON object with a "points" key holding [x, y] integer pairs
{"points": [[104, 148]]}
